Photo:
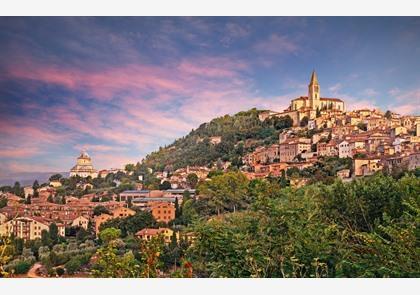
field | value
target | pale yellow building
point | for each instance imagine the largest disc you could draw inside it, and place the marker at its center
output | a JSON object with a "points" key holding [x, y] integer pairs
{"points": [[146, 234], [81, 221], [27, 228]]}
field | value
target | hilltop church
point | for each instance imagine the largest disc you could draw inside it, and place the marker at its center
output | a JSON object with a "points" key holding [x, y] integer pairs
{"points": [[307, 106], [84, 167]]}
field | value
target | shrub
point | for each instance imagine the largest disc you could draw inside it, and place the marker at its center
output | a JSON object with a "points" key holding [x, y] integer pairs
{"points": [[22, 267], [59, 271], [73, 265]]}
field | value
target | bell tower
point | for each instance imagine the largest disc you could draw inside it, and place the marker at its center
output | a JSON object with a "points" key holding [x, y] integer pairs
{"points": [[314, 92]]}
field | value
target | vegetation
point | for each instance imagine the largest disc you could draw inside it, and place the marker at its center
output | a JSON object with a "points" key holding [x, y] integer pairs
{"points": [[240, 134], [366, 228]]}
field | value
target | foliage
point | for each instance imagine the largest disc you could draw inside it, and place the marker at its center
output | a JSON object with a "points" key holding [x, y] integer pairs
{"points": [[366, 228], [22, 267], [6, 252], [108, 263], [98, 210], [227, 192], [196, 149], [131, 224]]}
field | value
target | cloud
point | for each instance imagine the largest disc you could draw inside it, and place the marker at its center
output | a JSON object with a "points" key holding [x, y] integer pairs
{"points": [[407, 102], [370, 92], [335, 88], [277, 44]]}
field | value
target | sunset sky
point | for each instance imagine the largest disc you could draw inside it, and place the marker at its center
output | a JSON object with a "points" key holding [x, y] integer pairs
{"points": [[122, 87]]}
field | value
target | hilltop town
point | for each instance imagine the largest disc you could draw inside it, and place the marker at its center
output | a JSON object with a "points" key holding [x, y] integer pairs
{"points": [[314, 140]]}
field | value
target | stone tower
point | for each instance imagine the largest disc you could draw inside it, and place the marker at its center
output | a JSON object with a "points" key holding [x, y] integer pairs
{"points": [[314, 92]]}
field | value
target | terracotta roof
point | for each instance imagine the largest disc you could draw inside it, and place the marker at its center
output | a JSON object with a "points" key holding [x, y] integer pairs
{"points": [[151, 231]]}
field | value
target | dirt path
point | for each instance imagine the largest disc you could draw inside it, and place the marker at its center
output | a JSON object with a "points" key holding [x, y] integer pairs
{"points": [[32, 273]]}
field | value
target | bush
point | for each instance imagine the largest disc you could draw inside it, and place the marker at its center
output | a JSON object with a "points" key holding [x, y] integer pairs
{"points": [[73, 265], [22, 267], [59, 271]]}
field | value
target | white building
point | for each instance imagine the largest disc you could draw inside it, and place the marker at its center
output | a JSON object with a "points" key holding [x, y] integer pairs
{"points": [[344, 149]]}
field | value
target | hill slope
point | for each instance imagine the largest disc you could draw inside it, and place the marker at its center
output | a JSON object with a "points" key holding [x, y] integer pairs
{"points": [[239, 134]]}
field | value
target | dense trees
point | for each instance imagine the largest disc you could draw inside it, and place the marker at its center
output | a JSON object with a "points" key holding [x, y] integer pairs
{"points": [[197, 149], [227, 192], [131, 224], [366, 228], [192, 180]]}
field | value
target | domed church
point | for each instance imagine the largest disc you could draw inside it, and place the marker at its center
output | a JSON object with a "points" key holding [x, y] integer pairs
{"points": [[84, 167]]}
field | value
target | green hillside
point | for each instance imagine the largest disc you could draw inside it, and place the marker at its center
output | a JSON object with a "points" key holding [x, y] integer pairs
{"points": [[239, 133]]}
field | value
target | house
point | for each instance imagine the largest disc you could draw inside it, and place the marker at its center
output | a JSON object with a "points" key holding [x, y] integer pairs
{"points": [[344, 149], [98, 220], [163, 211], [81, 221], [146, 234], [343, 174], [398, 131], [28, 191], [367, 166], [55, 183], [3, 218], [292, 147], [28, 228], [122, 212]]}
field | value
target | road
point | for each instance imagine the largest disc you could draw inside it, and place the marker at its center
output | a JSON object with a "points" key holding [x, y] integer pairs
{"points": [[32, 273]]}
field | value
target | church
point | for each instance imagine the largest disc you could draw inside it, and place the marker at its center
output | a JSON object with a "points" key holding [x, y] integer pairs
{"points": [[314, 101], [308, 106], [84, 167]]}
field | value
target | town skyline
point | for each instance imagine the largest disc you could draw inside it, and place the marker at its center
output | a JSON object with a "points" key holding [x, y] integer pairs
{"points": [[120, 88]]}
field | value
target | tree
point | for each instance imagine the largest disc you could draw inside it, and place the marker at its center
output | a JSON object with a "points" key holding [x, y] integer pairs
{"points": [[192, 180], [304, 122], [3, 202], [318, 112], [50, 199], [28, 200], [150, 251], [131, 224], [98, 210], [226, 192], [6, 254], [177, 209], [60, 271], [53, 233], [108, 263], [56, 177], [18, 190], [165, 185], [73, 265], [388, 115], [362, 126], [35, 187], [129, 167], [45, 238]]}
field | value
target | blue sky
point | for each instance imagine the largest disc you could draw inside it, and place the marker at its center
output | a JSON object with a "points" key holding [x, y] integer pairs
{"points": [[122, 87]]}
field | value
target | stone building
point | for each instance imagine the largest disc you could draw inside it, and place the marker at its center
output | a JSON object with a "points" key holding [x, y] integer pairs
{"points": [[84, 167]]}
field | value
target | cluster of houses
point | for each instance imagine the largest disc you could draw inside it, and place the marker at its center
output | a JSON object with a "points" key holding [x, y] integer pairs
{"points": [[27, 221], [373, 139], [178, 178]]}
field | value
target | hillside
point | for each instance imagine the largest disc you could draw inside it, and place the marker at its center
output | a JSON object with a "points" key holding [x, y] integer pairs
{"points": [[239, 134]]}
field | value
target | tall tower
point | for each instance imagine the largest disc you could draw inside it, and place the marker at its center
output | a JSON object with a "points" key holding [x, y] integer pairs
{"points": [[314, 92]]}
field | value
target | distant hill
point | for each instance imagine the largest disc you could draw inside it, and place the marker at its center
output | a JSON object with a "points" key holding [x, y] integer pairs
{"points": [[28, 178], [239, 134]]}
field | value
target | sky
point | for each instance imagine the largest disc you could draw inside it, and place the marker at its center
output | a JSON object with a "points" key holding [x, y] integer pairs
{"points": [[121, 87]]}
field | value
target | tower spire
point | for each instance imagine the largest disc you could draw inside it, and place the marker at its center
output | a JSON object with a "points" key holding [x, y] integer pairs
{"points": [[314, 78]]}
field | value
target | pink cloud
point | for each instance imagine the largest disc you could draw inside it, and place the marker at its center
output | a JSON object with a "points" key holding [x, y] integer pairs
{"points": [[277, 44], [408, 102]]}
